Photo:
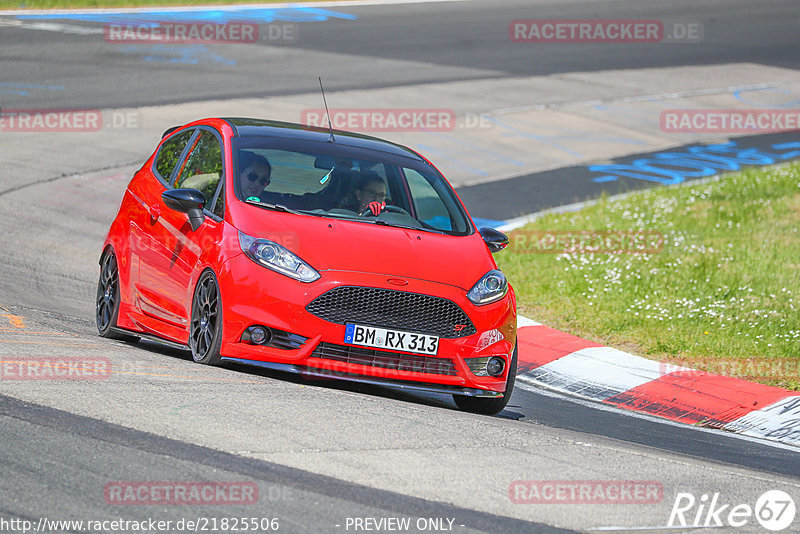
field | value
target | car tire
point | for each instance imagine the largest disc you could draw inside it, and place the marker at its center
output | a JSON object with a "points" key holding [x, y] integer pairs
{"points": [[490, 406], [107, 302], [205, 328]]}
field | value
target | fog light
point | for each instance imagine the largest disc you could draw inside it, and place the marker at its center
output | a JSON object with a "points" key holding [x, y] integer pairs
{"points": [[495, 366], [257, 335]]}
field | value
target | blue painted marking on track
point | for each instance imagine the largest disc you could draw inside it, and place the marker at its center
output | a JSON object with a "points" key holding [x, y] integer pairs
{"points": [[695, 162], [490, 223], [187, 54], [22, 89], [33, 86], [786, 105], [788, 155], [255, 15]]}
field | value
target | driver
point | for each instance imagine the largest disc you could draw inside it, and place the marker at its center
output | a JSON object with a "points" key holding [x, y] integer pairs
{"points": [[255, 175], [369, 193]]}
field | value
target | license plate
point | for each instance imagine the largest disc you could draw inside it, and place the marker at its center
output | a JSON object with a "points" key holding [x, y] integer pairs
{"points": [[384, 338]]}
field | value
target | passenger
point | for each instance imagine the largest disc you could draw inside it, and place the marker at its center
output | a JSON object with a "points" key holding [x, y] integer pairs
{"points": [[369, 192], [255, 174]]}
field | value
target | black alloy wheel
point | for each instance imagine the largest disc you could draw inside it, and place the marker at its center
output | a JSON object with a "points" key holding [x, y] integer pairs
{"points": [[107, 302], [205, 334]]}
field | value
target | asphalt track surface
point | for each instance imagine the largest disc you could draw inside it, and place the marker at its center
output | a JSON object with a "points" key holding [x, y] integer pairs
{"points": [[530, 193], [401, 455], [433, 42]]}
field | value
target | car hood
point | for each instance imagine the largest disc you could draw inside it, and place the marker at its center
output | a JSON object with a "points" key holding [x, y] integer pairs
{"points": [[331, 244]]}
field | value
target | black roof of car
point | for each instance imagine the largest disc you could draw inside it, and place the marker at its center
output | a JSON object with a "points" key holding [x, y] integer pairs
{"points": [[260, 127]]}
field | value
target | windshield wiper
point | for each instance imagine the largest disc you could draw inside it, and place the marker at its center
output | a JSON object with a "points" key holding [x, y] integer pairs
{"points": [[408, 227], [276, 207], [380, 222]]}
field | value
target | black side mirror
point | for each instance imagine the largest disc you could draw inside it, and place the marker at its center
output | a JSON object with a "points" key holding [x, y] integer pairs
{"points": [[188, 201], [496, 241]]}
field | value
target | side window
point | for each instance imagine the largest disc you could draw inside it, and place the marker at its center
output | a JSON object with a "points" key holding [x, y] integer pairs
{"points": [[430, 208], [219, 206], [203, 168], [170, 152]]}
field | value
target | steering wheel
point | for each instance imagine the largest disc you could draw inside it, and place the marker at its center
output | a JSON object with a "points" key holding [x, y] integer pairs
{"points": [[388, 207]]}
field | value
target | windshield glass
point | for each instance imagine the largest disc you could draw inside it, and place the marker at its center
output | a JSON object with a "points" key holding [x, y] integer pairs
{"points": [[330, 180]]}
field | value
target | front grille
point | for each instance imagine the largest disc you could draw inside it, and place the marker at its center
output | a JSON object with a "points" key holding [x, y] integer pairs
{"points": [[387, 360], [392, 309]]}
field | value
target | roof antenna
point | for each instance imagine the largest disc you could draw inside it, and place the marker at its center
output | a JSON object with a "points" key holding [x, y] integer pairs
{"points": [[331, 140]]}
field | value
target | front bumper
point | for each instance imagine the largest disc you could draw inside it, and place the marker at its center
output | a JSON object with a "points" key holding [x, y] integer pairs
{"points": [[252, 295], [400, 384]]}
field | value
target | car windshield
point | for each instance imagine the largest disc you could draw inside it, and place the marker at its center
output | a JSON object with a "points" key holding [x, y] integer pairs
{"points": [[343, 182]]}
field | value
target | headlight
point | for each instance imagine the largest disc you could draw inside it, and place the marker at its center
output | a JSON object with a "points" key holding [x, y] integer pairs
{"points": [[492, 287], [280, 259]]}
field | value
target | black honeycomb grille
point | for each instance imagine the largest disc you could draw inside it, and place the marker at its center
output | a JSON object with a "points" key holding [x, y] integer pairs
{"points": [[392, 309]]}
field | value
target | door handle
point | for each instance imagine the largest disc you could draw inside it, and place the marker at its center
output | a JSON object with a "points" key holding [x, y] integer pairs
{"points": [[155, 213]]}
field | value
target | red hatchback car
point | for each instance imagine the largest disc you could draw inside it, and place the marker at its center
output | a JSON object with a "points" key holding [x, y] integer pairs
{"points": [[331, 254]]}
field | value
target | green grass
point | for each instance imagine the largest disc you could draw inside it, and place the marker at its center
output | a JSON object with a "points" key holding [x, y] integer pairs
{"points": [[63, 4], [722, 295]]}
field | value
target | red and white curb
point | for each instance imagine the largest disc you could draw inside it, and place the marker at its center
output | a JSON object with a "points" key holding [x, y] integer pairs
{"points": [[566, 363]]}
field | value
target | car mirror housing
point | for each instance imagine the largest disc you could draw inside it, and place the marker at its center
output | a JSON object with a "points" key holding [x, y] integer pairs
{"points": [[188, 201], [495, 240]]}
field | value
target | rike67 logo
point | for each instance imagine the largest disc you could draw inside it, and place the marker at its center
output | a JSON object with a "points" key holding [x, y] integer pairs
{"points": [[774, 510]]}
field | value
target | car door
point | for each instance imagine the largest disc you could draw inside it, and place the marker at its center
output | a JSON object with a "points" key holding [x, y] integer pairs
{"points": [[146, 233], [174, 252]]}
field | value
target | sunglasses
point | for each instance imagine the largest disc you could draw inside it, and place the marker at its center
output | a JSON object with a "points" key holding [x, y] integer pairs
{"points": [[375, 194], [263, 180]]}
